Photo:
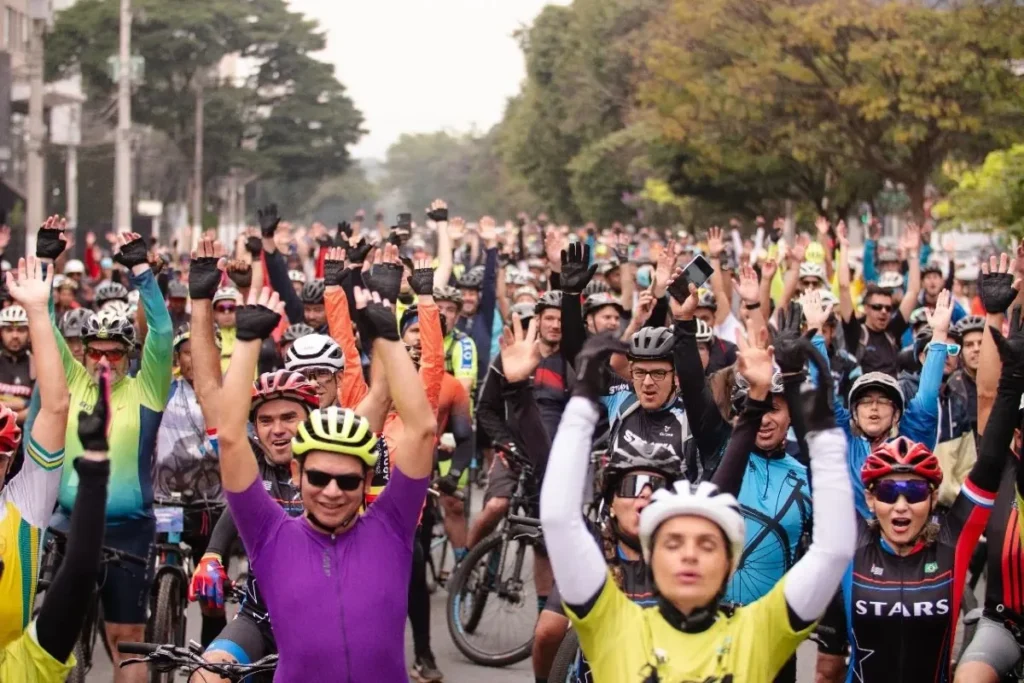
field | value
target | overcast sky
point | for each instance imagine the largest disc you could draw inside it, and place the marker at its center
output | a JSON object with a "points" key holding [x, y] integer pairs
{"points": [[397, 56]]}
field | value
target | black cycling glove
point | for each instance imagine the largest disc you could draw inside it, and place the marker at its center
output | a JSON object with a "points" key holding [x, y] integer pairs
{"points": [[386, 280], [49, 244], [203, 277], [438, 215], [996, 292], [576, 273], [422, 281], [268, 219], [357, 254], [376, 321], [593, 365], [255, 322], [254, 245], [334, 272], [133, 253]]}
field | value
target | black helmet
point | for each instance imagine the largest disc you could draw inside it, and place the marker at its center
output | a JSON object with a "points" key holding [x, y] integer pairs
{"points": [[473, 279], [629, 454], [599, 300], [552, 299], [313, 292], [652, 343], [293, 332], [111, 291], [972, 323]]}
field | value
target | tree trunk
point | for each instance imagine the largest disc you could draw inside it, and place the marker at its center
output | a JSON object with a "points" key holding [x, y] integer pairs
{"points": [[915, 191]]}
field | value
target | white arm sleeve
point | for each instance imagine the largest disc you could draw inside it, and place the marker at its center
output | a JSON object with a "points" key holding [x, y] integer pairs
{"points": [[812, 582], [576, 559]]}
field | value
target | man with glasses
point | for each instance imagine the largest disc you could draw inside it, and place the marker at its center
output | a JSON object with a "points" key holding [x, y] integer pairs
{"points": [[874, 339], [137, 406], [225, 302], [320, 360]]}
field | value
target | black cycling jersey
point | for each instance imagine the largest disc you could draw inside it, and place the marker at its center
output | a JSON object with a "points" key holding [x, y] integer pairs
{"points": [[1005, 577], [721, 354]]}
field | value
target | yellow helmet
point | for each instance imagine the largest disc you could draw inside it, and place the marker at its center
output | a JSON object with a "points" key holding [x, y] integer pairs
{"points": [[336, 430]]}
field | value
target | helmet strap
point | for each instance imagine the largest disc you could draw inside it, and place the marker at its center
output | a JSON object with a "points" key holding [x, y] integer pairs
{"points": [[697, 621], [628, 540], [331, 530]]}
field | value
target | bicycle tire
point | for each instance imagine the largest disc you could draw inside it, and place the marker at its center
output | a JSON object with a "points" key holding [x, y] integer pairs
{"points": [[459, 583], [168, 619], [563, 668], [77, 674]]}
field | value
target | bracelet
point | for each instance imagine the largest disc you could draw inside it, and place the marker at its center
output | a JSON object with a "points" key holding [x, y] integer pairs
{"points": [[753, 306]]}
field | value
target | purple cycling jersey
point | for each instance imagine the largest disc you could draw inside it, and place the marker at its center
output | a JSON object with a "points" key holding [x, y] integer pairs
{"points": [[338, 603]]}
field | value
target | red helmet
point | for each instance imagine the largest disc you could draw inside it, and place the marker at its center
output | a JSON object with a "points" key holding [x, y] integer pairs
{"points": [[901, 456], [10, 432], [286, 385]]}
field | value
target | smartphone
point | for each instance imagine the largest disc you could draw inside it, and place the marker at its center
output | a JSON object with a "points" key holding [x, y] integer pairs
{"points": [[405, 220], [696, 272]]}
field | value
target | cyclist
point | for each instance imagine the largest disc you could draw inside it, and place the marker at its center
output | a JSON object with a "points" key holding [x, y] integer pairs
{"points": [[15, 361], [137, 406], [27, 499], [460, 352], [225, 306], [313, 305], [602, 313], [177, 300], [722, 351], [292, 333], [692, 538], [318, 358], [334, 459], [42, 652], [66, 289], [479, 301], [963, 382], [71, 327], [298, 280], [109, 292]]}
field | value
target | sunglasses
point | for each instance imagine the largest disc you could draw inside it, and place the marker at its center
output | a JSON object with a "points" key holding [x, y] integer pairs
{"points": [[632, 485], [225, 308], [657, 375], [345, 482], [98, 355], [889, 491], [881, 307], [952, 349]]}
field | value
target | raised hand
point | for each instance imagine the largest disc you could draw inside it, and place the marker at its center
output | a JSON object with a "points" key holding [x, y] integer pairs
{"points": [[334, 267], [593, 364], [456, 228], [28, 286], [51, 240], [682, 309], [131, 250], [375, 317], [997, 286], [344, 233], [716, 245], [754, 360], [644, 307], [938, 319], [554, 242], [576, 273], [1011, 348], [260, 316], [357, 252], [748, 287], [386, 274], [769, 268], [663, 271], [94, 424], [488, 231], [789, 352], [268, 219], [816, 311], [204, 273], [437, 212], [240, 272], [422, 279], [910, 242], [822, 226], [520, 354], [841, 236]]}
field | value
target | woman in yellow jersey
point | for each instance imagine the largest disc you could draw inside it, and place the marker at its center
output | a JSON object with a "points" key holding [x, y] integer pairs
{"points": [[692, 538]]}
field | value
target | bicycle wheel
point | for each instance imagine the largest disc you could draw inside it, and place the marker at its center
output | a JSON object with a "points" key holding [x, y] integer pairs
{"points": [[492, 609], [168, 620], [563, 668]]}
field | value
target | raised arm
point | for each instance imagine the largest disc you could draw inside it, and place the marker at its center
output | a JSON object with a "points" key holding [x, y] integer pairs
{"points": [[715, 247], [277, 269], [843, 277], [203, 278], [997, 289], [414, 455], [911, 244], [575, 274], [437, 220], [576, 559], [339, 323], [31, 288]]}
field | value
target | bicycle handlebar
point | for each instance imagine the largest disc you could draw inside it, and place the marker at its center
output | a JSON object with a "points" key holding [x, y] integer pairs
{"points": [[136, 648], [110, 555]]}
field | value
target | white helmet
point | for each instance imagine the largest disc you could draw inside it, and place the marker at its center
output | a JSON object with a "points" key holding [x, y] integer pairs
{"points": [[118, 308], [890, 280], [812, 270], [704, 332], [13, 316], [700, 500], [227, 294], [314, 351], [74, 267], [297, 276]]}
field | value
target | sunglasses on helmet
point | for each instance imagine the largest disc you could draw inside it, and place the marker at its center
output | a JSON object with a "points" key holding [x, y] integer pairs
{"points": [[632, 485], [889, 491], [345, 482]]}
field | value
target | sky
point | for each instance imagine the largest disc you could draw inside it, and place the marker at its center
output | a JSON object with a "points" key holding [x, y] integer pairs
{"points": [[418, 66]]}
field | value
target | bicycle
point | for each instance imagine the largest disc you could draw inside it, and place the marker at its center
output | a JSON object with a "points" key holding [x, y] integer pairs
{"points": [[84, 647], [483, 573], [438, 547], [173, 567], [166, 659]]}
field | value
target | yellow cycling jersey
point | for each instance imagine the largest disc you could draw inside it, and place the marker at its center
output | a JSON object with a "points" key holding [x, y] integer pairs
{"points": [[624, 642], [25, 661], [26, 503]]}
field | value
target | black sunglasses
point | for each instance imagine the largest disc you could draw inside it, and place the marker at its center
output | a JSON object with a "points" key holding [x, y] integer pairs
{"points": [[632, 485], [345, 482], [881, 307]]}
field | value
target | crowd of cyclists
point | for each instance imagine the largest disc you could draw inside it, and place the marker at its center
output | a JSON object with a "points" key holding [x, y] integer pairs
{"points": [[734, 444]]}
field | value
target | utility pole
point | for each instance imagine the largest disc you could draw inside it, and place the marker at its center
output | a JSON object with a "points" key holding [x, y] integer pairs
{"points": [[35, 211], [197, 167], [123, 143], [71, 182]]}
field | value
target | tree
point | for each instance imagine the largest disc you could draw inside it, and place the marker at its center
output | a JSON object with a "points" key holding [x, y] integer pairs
{"points": [[990, 196], [823, 86]]}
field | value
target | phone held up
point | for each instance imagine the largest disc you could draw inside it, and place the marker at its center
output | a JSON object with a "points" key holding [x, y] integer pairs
{"points": [[697, 272]]}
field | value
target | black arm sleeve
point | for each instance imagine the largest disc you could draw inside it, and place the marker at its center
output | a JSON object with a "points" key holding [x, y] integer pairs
{"points": [[729, 475], [659, 314], [67, 600], [277, 273], [162, 281], [555, 281], [573, 332], [490, 409], [951, 278], [791, 388], [530, 429], [224, 534], [701, 412], [995, 442]]}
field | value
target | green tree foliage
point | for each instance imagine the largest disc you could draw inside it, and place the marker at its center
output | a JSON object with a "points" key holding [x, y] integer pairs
{"points": [[290, 119], [990, 196], [811, 89]]}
